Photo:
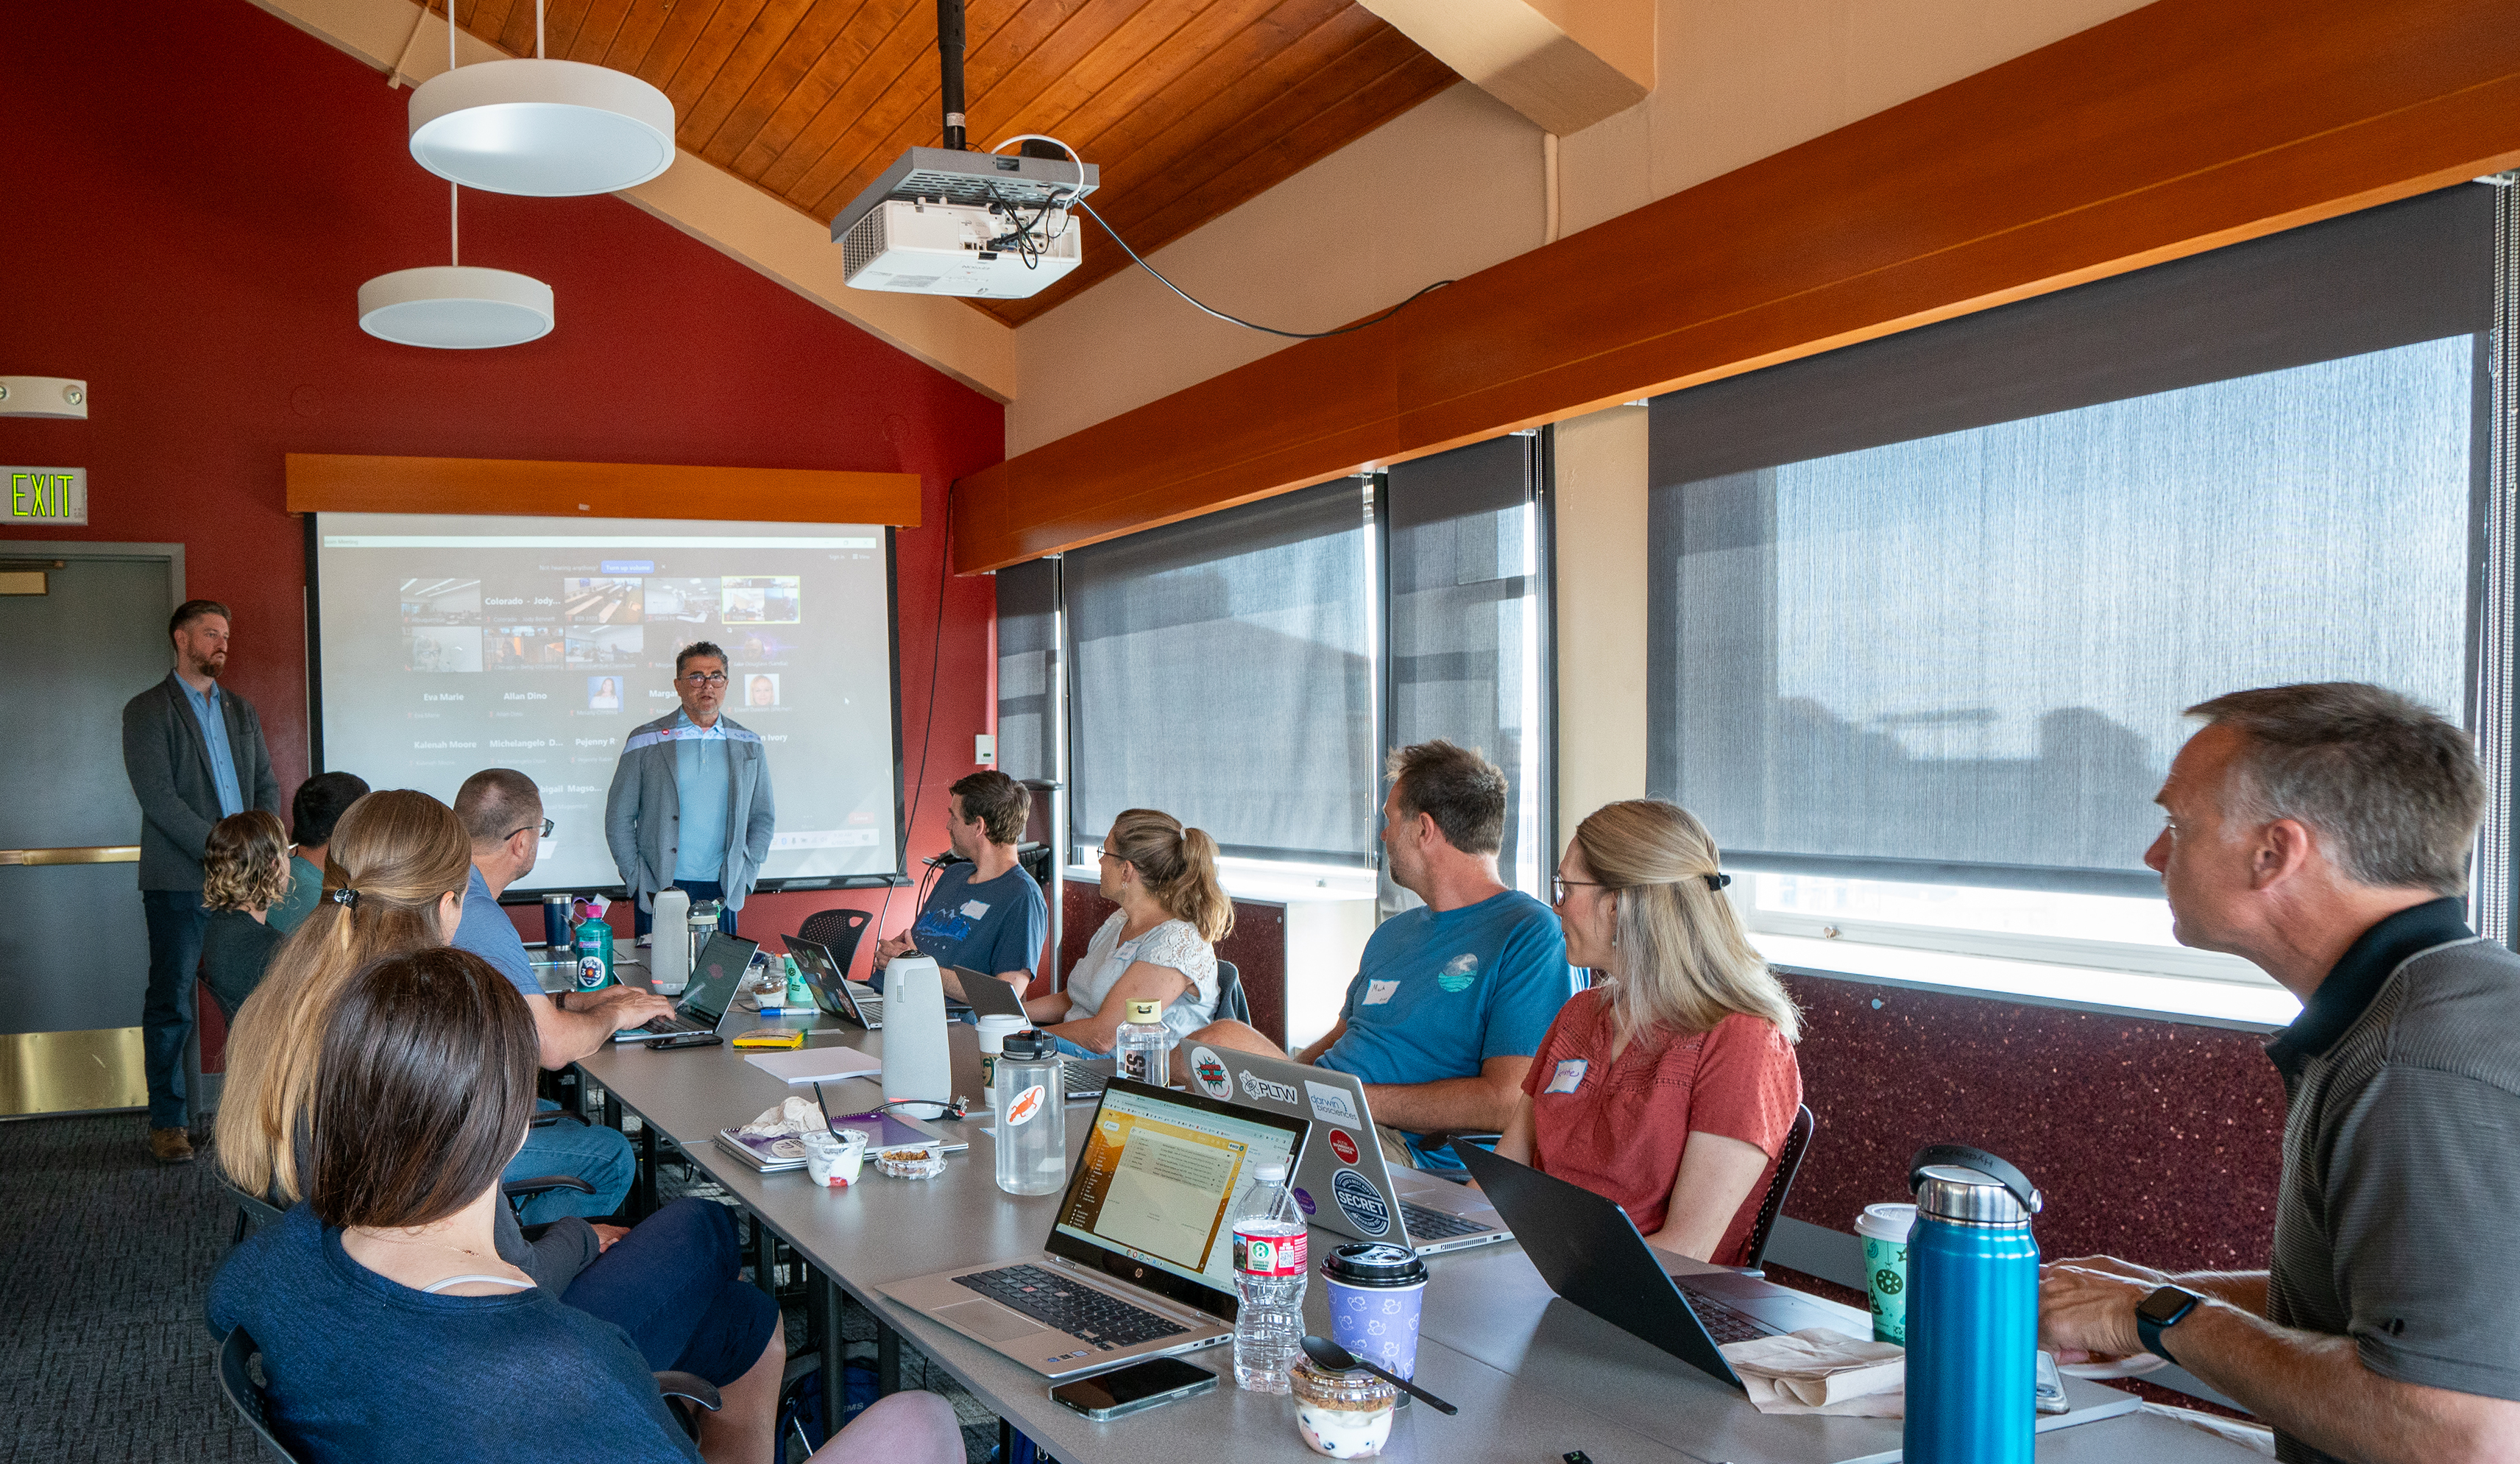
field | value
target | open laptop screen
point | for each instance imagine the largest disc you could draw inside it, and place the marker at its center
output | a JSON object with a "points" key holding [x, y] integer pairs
{"points": [[816, 962], [1162, 1179], [717, 973]]}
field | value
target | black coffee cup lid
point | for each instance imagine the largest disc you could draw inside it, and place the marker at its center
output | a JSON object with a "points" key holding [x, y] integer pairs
{"points": [[1375, 1263]]}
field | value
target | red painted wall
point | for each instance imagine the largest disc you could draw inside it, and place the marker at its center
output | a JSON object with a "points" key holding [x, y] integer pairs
{"points": [[195, 191]]}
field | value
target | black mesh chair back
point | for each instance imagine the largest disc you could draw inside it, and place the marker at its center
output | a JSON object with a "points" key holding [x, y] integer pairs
{"points": [[1789, 1159], [837, 932], [254, 1211], [1229, 1000], [237, 1358]]}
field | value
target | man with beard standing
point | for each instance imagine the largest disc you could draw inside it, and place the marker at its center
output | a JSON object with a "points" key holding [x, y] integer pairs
{"points": [[195, 754]]}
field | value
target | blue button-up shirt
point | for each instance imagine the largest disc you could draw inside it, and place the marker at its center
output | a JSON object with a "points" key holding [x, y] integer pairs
{"points": [[214, 734], [699, 786]]}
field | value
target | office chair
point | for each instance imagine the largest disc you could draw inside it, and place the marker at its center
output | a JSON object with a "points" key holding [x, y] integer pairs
{"points": [[1789, 1159], [238, 1358], [1229, 998], [837, 932], [253, 1212]]}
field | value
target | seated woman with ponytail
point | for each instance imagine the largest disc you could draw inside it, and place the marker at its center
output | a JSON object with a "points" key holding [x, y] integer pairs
{"points": [[394, 877], [1670, 1085], [392, 1327], [1159, 945]]}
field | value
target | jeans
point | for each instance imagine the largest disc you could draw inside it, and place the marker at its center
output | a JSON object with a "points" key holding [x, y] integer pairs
{"points": [[698, 890], [598, 1155], [176, 920], [672, 1284]]}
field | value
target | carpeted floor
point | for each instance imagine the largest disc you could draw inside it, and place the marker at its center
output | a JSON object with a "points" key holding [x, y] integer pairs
{"points": [[104, 1354]]}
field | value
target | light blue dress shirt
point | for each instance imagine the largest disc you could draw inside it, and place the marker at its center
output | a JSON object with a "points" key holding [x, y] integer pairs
{"points": [[700, 787], [215, 732]]}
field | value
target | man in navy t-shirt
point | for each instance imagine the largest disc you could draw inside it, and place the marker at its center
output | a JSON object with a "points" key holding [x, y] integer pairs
{"points": [[986, 915], [1453, 998]]}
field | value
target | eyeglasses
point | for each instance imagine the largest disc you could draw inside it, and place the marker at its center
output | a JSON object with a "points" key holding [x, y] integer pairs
{"points": [[1558, 885], [545, 831], [707, 678]]}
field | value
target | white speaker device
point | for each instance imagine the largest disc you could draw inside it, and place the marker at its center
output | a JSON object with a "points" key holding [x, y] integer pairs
{"points": [[917, 1066], [669, 942]]}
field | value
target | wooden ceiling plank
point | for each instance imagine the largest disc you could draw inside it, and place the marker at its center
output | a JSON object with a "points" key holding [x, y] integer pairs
{"points": [[1127, 52], [515, 33], [1240, 74], [820, 37], [726, 31], [820, 82], [683, 29], [1213, 31], [639, 27], [562, 19], [745, 65], [853, 115], [601, 28]]}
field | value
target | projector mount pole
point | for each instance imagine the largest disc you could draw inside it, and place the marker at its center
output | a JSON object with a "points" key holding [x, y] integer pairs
{"points": [[949, 57]]}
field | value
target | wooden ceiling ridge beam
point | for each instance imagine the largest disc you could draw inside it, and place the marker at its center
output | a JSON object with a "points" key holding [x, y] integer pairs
{"points": [[2172, 129], [1562, 64]]}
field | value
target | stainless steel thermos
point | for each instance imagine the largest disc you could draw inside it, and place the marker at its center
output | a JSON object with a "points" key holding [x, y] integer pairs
{"points": [[1972, 1309]]}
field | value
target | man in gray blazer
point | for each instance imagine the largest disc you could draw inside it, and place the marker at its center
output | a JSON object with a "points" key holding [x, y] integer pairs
{"points": [[690, 806], [195, 754]]}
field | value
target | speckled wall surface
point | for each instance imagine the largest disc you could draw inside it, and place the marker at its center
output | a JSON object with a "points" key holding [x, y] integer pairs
{"points": [[2156, 1141]]}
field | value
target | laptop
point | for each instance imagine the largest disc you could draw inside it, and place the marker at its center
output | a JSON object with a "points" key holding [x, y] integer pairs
{"points": [[860, 1006], [1343, 1183], [1588, 1252], [1140, 1261], [705, 1002]]}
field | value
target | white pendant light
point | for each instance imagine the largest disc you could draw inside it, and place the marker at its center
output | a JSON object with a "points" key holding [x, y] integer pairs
{"points": [[538, 127], [455, 306]]}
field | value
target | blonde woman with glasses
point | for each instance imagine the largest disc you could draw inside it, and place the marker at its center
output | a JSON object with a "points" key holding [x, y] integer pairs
{"points": [[1670, 1085], [1159, 945]]}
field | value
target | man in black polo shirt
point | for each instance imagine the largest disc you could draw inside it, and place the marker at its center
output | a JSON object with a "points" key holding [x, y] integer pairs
{"points": [[2322, 832]]}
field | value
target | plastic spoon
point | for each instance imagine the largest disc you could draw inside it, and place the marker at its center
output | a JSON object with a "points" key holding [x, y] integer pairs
{"points": [[1336, 1358]]}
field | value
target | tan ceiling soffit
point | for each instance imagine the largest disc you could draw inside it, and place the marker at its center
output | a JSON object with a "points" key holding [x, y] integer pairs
{"points": [[1563, 64], [722, 212]]}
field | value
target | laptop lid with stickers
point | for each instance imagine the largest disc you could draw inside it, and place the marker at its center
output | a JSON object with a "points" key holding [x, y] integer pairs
{"points": [[1342, 1182]]}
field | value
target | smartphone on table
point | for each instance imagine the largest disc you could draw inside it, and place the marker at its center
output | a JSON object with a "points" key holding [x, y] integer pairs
{"points": [[1135, 1389]]}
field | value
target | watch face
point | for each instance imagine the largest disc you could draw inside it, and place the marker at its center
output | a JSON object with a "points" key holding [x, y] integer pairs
{"points": [[2165, 1305]]}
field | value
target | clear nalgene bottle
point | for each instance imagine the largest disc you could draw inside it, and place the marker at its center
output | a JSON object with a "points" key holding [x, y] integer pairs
{"points": [[1031, 1128], [1144, 1045], [1269, 1272]]}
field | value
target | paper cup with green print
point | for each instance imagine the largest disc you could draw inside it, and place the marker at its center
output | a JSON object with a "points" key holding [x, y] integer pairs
{"points": [[1884, 1229]]}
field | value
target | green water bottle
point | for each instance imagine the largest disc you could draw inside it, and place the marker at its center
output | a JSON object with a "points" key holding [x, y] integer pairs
{"points": [[594, 955]]}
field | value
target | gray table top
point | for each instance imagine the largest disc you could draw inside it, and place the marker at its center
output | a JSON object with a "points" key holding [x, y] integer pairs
{"points": [[1533, 1376]]}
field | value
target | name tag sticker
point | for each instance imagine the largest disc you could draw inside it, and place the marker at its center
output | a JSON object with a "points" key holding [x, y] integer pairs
{"points": [[1568, 1077], [975, 908], [1378, 993]]}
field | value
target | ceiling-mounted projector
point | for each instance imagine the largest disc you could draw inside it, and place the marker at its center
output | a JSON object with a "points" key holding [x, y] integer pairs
{"points": [[982, 225]]}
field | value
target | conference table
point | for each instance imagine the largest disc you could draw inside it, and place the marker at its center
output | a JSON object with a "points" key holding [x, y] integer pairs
{"points": [[1534, 1377]]}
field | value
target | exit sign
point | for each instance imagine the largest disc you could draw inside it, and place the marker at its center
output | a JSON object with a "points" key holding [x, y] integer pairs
{"points": [[47, 495]]}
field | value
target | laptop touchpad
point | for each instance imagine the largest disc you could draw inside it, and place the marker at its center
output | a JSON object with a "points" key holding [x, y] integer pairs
{"points": [[988, 1321]]}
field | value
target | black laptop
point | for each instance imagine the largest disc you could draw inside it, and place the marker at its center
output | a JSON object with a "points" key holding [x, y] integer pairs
{"points": [[1588, 1252]]}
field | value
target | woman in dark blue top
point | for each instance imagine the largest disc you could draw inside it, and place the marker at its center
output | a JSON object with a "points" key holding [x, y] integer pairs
{"points": [[391, 1328]]}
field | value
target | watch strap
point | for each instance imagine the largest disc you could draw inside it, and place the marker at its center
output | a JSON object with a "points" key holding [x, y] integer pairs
{"points": [[2156, 1314]]}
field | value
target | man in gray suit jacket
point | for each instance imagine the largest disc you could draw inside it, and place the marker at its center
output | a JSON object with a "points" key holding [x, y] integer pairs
{"points": [[195, 754], [690, 806]]}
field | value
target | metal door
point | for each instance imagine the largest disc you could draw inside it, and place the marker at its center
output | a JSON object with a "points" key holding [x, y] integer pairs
{"points": [[73, 946]]}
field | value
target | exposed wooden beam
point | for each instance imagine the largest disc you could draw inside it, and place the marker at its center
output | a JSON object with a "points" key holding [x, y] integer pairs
{"points": [[1563, 64], [2173, 129]]}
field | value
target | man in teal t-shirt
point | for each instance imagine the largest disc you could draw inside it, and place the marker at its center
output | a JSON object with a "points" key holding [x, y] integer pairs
{"points": [[1452, 999]]}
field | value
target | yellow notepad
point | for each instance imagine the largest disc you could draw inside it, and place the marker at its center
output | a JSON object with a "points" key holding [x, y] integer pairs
{"points": [[771, 1036]]}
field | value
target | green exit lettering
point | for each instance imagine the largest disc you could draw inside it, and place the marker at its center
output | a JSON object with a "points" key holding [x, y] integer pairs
{"points": [[49, 494]]}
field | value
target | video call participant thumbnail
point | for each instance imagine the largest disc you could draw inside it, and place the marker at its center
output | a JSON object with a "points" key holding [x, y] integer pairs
{"points": [[987, 915]]}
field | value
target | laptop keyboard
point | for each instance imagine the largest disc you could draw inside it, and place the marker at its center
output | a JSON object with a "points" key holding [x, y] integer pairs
{"points": [[1083, 1082], [1723, 1323], [670, 1024], [1079, 1310], [1426, 1223], [870, 1005]]}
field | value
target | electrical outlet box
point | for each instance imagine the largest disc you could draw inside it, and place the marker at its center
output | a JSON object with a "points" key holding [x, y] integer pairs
{"points": [[984, 748]]}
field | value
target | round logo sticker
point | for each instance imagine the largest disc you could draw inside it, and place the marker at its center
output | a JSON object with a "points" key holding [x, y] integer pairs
{"points": [[1208, 1070], [1458, 973], [1361, 1203], [1303, 1198], [1026, 1104], [1342, 1146]]}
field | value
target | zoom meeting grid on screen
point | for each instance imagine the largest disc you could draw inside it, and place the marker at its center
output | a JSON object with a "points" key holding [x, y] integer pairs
{"points": [[451, 644]]}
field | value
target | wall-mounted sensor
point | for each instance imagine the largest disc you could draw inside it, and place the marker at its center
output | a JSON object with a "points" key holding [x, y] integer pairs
{"points": [[42, 396]]}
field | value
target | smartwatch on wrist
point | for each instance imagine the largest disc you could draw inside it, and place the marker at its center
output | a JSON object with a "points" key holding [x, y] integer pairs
{"points": [[2160, 1311]]}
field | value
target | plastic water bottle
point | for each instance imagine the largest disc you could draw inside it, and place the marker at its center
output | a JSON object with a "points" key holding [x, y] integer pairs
{"points": [[1031, 1131], [1269, 1272], [1143, 1046]]}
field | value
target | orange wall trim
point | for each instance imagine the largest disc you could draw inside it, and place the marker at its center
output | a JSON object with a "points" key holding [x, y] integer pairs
{"points": [[322, 482], [2173, 129]]}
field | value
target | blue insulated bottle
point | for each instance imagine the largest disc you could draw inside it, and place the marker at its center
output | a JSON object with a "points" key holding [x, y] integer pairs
{"points": [[1973, 1310]]}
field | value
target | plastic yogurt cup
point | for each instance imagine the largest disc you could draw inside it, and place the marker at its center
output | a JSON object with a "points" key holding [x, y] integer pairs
{"points": [[834, 1159], [1342, 1415]]}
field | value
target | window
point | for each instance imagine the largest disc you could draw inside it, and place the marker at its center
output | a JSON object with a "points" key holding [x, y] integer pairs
{"points": [[1222, 671], [1926, 611]]}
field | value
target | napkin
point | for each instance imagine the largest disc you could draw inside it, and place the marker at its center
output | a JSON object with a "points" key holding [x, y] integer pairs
{"points": [[1820, 1371], [795, 1118]]}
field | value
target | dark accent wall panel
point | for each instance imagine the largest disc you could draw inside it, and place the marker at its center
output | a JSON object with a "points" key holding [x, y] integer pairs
{"points": [[1257, 947], [2156, 1141]]}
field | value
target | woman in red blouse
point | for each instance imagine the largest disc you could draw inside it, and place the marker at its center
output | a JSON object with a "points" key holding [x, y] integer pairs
{"points": [[1670, 1085]]}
